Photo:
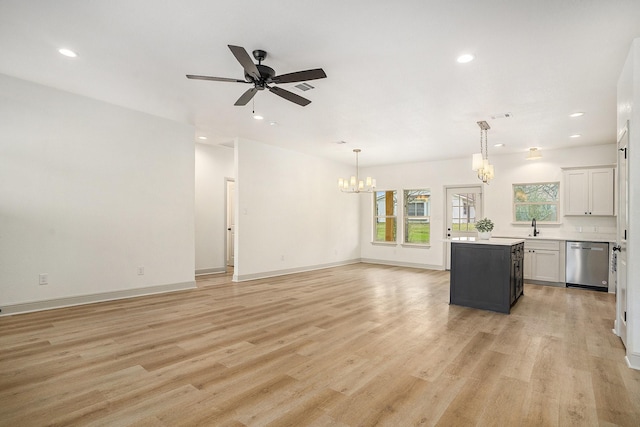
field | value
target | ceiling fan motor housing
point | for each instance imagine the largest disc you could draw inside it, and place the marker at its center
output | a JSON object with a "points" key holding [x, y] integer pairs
{"points": [[266, 76]]}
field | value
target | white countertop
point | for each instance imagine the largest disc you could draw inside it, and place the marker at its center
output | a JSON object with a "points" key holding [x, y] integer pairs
{"points": [[504, 241], [578, 237]]}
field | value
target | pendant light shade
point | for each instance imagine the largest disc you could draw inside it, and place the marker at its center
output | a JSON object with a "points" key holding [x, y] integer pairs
{"points": [[477, 161]]}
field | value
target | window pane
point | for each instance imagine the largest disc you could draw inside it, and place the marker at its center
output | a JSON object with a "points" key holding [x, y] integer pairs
{"points": [[386, 203], [541, 212], [417, 202], [463, 212], [536, 193], [417, 231], [385, 216], [385, 230], [536, 200], [417, 208]]}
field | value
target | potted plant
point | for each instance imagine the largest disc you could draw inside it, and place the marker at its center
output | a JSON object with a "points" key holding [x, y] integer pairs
{"points": [[484, 227]]}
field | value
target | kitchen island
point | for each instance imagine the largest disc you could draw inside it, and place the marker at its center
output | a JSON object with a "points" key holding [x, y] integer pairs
{"points": [[487, 274]]}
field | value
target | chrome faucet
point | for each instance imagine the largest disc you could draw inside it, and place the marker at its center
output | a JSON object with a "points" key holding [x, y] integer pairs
{"points": [[535, 229]]}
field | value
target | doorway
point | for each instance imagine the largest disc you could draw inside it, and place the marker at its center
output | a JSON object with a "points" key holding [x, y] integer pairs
{"points": [[230, 223], [463, 209]]}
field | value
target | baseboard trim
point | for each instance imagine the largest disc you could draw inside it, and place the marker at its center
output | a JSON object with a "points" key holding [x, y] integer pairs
{"points": [[402, 264], [216, 270], [51, 304], [276, 273], [545, 283], [633, 360]]}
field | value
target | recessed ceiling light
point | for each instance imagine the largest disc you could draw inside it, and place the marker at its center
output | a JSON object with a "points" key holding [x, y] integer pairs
{"points": [[258, 117], [202, 137], [273, 123], [67, 52], [575, 135], [463, 59], [576, 114], [498, 145]]}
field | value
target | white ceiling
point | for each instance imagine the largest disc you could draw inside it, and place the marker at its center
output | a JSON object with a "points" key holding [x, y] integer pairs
{"points": [[394, 87]]}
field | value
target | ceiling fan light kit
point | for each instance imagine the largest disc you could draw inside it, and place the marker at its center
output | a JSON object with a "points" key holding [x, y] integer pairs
{"points": [[262, 77]]}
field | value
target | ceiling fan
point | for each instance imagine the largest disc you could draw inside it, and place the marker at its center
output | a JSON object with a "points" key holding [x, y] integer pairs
{"points": [[262, 77]]}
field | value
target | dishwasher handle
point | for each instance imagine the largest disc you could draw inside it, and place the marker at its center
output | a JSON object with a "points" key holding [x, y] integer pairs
{"points": [[586, 248]]}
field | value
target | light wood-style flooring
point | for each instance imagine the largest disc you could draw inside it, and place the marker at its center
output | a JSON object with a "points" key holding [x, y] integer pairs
{"points": [[358, 345]]}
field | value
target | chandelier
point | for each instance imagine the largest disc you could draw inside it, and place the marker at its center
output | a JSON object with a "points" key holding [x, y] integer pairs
{"points": [[480, 162], [354, 184]]}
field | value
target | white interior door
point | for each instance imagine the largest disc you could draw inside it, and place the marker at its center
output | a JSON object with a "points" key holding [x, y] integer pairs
{"points": [[623, 223], [464, 208], [231, 227]]}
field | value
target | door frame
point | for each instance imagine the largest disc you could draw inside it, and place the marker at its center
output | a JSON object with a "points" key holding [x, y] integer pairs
{"points": [[229, 213], [620, 324]]}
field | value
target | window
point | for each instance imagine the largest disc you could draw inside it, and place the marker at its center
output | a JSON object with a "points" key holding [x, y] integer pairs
{"points": [[385, 216], [537, 200], [417, 216], [463, 211]]}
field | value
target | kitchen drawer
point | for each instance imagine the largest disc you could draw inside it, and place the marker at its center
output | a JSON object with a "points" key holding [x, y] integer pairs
{"points": [[547, 245]]}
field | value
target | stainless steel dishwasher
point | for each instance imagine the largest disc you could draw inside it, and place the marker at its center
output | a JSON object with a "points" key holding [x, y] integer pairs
{"points": [[588, 265]]}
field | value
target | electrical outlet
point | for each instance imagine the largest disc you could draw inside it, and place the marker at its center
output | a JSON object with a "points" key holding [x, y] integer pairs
{"points": [[44, 279], [141, 270]]}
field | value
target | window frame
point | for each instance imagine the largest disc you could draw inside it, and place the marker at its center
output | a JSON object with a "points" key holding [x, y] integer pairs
{"points": [[394, 218], [555, 203], [406, 218]]}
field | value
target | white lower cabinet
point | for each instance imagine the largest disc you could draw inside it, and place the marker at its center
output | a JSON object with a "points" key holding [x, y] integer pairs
{"points": [[542, 260]]}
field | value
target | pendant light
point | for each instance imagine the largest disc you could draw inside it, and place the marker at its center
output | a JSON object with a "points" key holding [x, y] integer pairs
{"points": [[354, 184], [480, 162]]}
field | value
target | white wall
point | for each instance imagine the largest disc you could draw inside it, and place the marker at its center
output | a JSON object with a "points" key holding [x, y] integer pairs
{"points": [[514, 169], [628, 102], [214, 164], [89, 192], [510, 169], [290, 214]]}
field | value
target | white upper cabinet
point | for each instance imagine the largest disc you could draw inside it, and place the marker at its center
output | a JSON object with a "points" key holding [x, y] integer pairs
{"points": [[589, 191]]}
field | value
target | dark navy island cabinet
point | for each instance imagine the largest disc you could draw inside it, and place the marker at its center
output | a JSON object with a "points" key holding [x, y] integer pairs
{"points": [[487, 274]]}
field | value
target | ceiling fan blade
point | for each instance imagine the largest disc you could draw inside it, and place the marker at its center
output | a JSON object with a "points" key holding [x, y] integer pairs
{"points": [[215, 79], [246, 97], [290, 96], [300, 76], [245, 60]]}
